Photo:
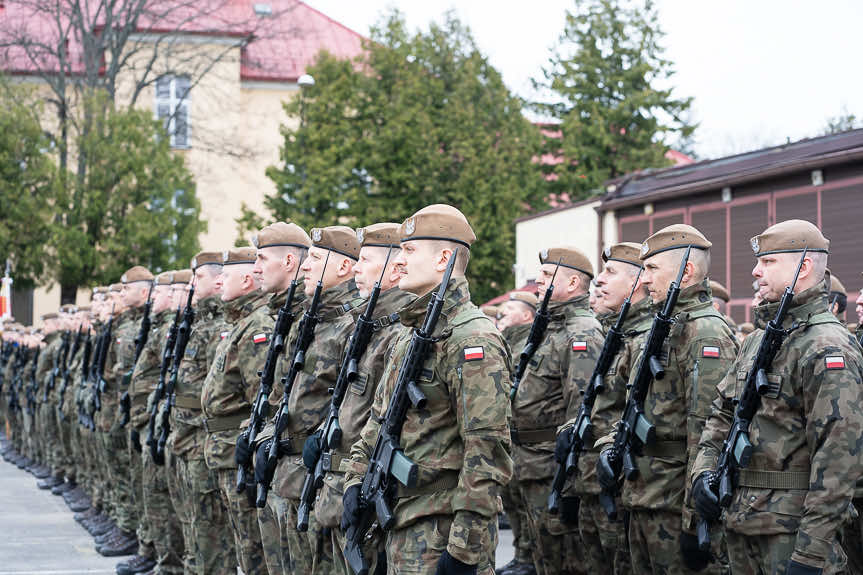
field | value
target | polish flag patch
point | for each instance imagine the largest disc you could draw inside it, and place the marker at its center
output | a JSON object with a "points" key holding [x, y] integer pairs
{"points": [[260, 338], [473, 353], [119, 340], [835, 362], [579, 346], [223, 335], [709, 351]]}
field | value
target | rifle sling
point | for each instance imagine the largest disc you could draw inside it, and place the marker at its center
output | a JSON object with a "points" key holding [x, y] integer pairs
{"points": [[531, 436], [447, 480], [763, 479]]}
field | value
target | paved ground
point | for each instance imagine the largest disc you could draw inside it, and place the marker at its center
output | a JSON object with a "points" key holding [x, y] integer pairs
{"points": [[38, 534]]}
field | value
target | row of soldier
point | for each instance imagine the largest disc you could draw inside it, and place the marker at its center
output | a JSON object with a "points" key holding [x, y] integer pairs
{"points": [[319, 404]]}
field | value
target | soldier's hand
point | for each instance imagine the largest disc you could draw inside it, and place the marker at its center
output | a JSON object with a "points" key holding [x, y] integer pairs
{"points": [[312, 450], [449, 565], [706, 502], [795, 568], [563, 445], [243, 451], [607, 471], [693, 557], [261, 461], [350, 506]]}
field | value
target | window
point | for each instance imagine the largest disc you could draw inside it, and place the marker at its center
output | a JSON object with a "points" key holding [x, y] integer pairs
{"points": [[172, 107]]}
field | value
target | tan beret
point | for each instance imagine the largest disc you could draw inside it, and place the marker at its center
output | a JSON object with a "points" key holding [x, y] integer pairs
{"points": [[490, 310], [339, 239], [244, 255], [49, 315], [626, 252], [281, 234], [790, 236], [83, 308], [99, 289], [836, 285], [115, 287], [68, 308], [719, 291], [165, 278], [438, 222], [384, 235], [569, 257], [206, 259], [671, 238], [136, 274], [182, 277], [524, 297]]}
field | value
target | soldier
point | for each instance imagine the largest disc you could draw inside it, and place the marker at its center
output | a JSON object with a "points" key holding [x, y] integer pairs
{"points": [[547, 396], [606, 540], [194, 488], [720, 302], [837, 298], [447, 523], [43, 432], [77, 499], [696, 355], [516, 317], [228, 393], [790, 501]]}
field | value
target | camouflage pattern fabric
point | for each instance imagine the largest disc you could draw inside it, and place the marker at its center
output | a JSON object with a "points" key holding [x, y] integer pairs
{"points": [[46, 430], [415, 549], [809, 422], [461, 434], [654, 543], [757, 554]]}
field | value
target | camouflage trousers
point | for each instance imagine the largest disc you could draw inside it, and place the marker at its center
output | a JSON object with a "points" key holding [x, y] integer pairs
{"points": [[654, 544], [373, 549], [209, 547], [557, 545], [517, 515], [244, 524], [144, 531], [67, 454], [769, 554], [605, 541], [97, 474], [159, 514], [276, 549], [852, 540], [50, 437], [417, 548], [122, 498], [309, 553]]}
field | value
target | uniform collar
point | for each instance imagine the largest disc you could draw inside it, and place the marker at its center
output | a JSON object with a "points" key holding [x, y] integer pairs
{"points": [[209, 306], [338, 300], [456, 295], [278, 300], [243, 305], [576, 306], [804, 305]]}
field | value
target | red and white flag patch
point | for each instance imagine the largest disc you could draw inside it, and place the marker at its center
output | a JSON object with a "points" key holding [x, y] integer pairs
{"points": [[473, 353], [223, 335], [579, 346], [260, 338], [835, 362], [710, 351]]}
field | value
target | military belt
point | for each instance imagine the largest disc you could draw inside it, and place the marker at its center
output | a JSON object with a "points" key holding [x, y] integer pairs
{"points": [[188, 402], [447, 481], [533, 435], [672, 448], [763, 479], [215, 424], [294, 444]]}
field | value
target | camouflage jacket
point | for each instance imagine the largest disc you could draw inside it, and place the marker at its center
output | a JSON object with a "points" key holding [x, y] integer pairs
{"points": [[460, 440], [809, 423], [45, 364], [608, 406], [357, 403], [549, 392], [231, 383], [310, 398], [858, 334], [121, 358], [187, 421], [697, 354], [74, 367], [145, 376]]}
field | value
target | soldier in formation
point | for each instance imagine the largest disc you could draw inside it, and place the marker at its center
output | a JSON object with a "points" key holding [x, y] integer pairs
{"points": [[333, 402]]}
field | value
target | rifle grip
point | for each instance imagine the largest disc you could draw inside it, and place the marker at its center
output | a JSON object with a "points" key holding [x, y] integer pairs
{"points": [[384, 513], [726, 491], [630, 468], [703, 532], [608, 504], [416, 396], [303, 517], [655, 367], [553, 502], [762, 385]]}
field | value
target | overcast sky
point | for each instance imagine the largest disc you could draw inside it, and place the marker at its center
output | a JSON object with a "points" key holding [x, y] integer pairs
{"points": [[760, 71]]}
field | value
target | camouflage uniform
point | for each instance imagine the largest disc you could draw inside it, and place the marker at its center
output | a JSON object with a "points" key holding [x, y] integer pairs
{"points": [[65, 422], [547, 396], [194, 488], [310, 552], [226, 399], [353, 414], [459, 440], [46, 430], [806, 431], [697, 354], [602, 537]]}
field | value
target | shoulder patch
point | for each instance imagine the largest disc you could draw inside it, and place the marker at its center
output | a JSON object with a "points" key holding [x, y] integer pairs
{"points": [[579, 346], [259, 338], [223, 335], [710, 351], [834, 362], [474, 353]]}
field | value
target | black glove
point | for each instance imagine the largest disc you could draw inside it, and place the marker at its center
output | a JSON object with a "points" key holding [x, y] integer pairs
{"points": [[312, 449], [607, 471], [135, 439], [705, 500], [350, 506], [261, 461], [563, 445], [693, 557], [449, 565], [795, 568], [243, 452]]}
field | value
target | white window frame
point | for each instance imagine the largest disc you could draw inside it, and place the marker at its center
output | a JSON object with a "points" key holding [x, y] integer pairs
{"points": [[174, 103]]}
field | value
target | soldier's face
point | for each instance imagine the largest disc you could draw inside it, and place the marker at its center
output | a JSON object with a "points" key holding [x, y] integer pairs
{"points": [[235, 282], [659, 271], [513, 313], [206, 281], [369, 266], [565, 283], [773, 273], [614, 284], [181, 295], [271, 269], [330, 272], [422, 264], [161, 298], [859, 307], [134, 294]]}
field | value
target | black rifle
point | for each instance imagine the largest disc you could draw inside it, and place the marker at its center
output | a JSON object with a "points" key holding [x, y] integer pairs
{"points": [[582, 431], [18, 361], [535, 337], [99, 375], [634, 431], [90, 350], [388, 465], [140, 342], [737, 449], [55, 369], [305, 335], [33, 388], [61, 393], [167, 354], [6, 349], [261, 407], [331, 434], [183, 332]]}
